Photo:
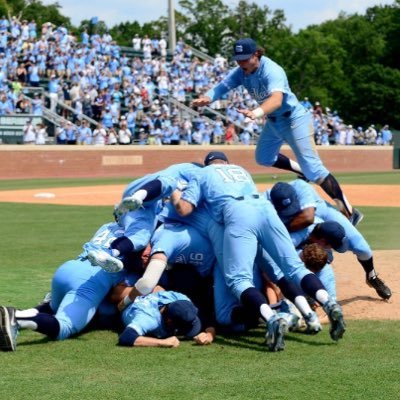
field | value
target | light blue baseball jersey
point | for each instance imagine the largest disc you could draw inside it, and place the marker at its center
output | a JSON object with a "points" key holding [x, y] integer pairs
{"points": [[198, 219], [231, 197], [144, 316], [218, 185], [102, 239], [185, 245], [268, 78], [354, 241]]}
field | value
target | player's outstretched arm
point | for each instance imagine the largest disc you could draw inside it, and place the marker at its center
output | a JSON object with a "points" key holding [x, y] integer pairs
{"points": [[145, 341], [201, 101]]}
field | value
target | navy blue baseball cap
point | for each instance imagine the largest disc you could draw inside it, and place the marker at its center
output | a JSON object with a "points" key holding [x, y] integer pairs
{"points": [[332, 232], [284, 198], [183, 314], [215, 155], [243, 49]]}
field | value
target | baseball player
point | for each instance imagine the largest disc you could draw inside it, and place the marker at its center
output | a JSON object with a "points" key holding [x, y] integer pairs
{"points": [[190, 260], [139, 222], [287, 120], [231, 197], [77, 290], [156, 319], [298, 205]]}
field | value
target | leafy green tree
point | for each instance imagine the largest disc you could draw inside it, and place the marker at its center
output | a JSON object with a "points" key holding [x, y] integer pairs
{"points": [[125, 31], [205, 25], [376, 96], [314, 65], [34, 9]]}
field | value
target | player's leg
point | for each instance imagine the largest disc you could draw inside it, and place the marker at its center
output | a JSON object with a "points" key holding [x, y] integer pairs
{"points": [[300, 137], [290, 291], [239, 252], [276, 240], [267, 149], [360, 247]]}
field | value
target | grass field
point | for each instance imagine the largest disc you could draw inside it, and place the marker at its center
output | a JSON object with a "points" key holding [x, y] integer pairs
{"points": [[35, 239], [360, 178]]}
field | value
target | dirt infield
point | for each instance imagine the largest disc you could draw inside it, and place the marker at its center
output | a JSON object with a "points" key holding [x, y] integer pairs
{"points": [[362, 195], [358, 300]]}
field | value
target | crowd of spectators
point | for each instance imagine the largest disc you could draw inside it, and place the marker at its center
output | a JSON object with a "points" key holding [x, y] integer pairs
{"points": [[128, 96], [330, 129]]}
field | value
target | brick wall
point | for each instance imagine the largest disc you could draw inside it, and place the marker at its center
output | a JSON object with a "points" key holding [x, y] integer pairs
{"points": [[19, 161]]}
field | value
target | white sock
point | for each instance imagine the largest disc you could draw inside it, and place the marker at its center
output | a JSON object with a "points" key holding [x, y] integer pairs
{"points": [[140, 194], [266, 312], [302, 304], [322, 296], [26, 323]]}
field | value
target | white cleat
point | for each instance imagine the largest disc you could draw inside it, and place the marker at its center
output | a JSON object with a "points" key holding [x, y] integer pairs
{"points": [[313, 324], [275, 336], [130, 203], [105, 261]]}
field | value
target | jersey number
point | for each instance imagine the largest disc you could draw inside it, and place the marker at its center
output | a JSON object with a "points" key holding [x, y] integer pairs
{"points": [[233, 174]]}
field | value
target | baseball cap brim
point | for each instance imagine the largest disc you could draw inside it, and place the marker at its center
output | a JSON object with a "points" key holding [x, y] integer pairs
{"points": [[242, 57], [291, 210]]}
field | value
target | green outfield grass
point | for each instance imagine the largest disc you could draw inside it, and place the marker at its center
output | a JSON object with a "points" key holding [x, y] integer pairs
{"points": [[362, 366], [36, 239], [362, 178]]}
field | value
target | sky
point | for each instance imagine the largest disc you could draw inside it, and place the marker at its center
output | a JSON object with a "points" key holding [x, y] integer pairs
{"points": [[299, 13]]}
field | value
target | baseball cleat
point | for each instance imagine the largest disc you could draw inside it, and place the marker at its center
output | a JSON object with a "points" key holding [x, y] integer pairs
{"points": [[130, 203], [105, 261], [293, 316], [8, 329], [301, 176], [381, 288], [335, 315], [313, 324], [46, 299], [276, 329], [356, 217]]}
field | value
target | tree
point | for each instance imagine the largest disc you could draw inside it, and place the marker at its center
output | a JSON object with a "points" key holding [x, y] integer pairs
{"points": [[205, 25], [34, 9]]}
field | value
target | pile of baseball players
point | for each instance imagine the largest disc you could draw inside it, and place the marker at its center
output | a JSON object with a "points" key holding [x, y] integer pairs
{"points": [[196, 250]]}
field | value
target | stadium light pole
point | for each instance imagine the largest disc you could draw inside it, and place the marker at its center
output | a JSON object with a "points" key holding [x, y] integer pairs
{"points": [[171, 26]]}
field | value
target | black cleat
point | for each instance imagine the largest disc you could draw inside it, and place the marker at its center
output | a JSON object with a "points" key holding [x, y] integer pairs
{"points": [[356, 217], [8, 329], [381, 288]]}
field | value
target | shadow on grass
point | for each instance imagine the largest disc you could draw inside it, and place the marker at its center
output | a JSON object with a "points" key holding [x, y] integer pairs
{"points": [[255, 340]]}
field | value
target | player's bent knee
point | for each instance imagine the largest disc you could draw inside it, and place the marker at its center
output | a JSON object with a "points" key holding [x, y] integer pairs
{"points": [[261, 159]]}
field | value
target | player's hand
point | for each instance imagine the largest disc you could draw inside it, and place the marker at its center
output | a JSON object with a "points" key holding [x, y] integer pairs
{"points": [[204, 338], [201, 101], [172, 341], [247, 113]]}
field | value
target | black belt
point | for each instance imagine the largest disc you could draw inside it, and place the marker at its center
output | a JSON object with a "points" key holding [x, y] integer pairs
{"points": [[253, 196], [285, 115]]}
